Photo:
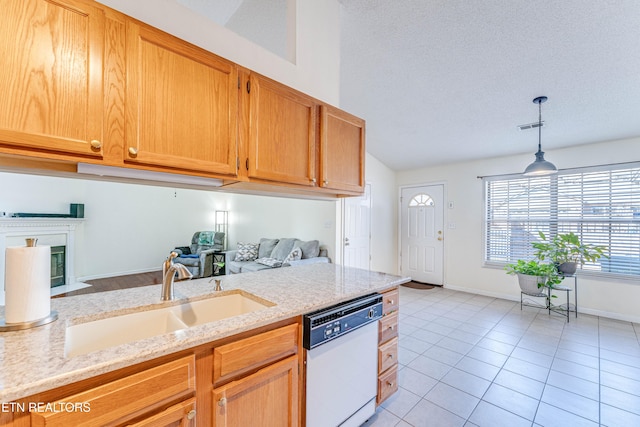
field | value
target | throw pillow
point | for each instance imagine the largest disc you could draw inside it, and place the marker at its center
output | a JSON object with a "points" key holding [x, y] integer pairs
{"points": [[310, 249], [269, 262], [283, 248], [294, 255], [205, 238], [266, 247], [246, 252]]}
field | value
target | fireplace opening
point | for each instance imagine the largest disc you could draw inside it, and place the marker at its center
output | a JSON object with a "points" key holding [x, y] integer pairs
{"points": [[58, 257]]}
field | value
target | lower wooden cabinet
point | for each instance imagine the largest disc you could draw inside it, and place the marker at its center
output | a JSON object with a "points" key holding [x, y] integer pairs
{"points": [[267, 398], [181, 415], [388, 346], [249, 380], [387, 384], [117, 402]]}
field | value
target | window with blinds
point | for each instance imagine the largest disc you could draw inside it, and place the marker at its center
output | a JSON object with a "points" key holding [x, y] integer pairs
{"points": [[601, 205]]}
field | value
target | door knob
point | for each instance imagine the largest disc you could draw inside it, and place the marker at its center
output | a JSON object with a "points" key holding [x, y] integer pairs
{"points": [[439, 239], [95, 144], [133, 151]]}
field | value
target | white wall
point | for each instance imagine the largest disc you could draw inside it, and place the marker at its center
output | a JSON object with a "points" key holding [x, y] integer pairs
{"points": [[316, 70], [463, 245], [384, 218]]}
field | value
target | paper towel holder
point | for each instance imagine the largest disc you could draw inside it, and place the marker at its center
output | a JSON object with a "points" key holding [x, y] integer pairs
{"points": [[9, 327]]}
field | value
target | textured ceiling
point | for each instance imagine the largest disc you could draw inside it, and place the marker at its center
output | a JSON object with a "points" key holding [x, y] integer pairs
{"points": [[442, 81]]}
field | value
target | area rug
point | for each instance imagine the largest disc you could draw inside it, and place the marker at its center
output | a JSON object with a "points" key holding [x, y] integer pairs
{"points": [[418, 285]]}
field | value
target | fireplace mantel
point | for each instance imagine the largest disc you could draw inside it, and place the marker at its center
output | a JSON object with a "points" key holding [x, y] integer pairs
{"points": [[37, 227], [30, 223]]}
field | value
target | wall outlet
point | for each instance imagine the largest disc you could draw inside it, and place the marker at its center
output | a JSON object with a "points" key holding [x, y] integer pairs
{"points": [[452, 225]]}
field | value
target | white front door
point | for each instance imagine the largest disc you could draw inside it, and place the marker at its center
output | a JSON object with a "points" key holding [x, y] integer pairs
{"points": [[422, 233], [357, 230]]}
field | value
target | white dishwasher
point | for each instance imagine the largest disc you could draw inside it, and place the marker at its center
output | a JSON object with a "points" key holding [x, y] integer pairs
{"points": [[341, 345]]}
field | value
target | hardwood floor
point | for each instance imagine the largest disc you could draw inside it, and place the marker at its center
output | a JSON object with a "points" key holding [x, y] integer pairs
{"points": [[117, 283]]}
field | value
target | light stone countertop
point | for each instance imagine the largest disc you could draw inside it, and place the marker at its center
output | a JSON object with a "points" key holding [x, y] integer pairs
{"points": [[32, 361]]}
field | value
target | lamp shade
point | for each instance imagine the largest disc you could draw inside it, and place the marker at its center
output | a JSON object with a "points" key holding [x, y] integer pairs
{"points": [[540, 166]]}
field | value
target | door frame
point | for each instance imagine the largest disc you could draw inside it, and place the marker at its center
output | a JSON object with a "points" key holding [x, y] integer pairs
{"points": [[444, 222]]}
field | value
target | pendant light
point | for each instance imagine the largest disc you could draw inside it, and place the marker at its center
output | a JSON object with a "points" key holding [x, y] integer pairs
{"points": [[540, 166]]}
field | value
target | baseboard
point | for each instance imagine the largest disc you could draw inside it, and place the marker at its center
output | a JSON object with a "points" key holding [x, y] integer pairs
{"points": [[590, 311], [118, 274]]}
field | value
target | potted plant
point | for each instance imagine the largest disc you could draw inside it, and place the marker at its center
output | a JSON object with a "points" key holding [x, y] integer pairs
{"points": [[534, 275], [566, 251]]}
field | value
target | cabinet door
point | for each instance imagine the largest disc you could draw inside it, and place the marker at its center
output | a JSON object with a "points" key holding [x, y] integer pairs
{"points": [[51, 76], [341, 150], [182, 104], [181, 415], [282, 134], [267, 398], [118, 401]]}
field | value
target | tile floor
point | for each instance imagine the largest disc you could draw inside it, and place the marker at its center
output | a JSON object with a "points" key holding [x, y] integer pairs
{"points": [[470, 360]]}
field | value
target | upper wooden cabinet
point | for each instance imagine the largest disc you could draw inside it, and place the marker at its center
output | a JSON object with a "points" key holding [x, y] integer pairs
{"points": [[181, 104], [51, 76], [342, 150], [84, 83], [282, 133]]}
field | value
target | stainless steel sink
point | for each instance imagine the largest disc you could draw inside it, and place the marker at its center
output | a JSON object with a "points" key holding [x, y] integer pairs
{"points": [[86, 337]]}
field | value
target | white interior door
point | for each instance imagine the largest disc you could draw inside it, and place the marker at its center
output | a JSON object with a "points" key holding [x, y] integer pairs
{"points": [[422, 233], [356, 236]]}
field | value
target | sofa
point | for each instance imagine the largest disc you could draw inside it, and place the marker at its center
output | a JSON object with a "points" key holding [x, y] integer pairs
{"points": [[274, 253], [198, 256]]}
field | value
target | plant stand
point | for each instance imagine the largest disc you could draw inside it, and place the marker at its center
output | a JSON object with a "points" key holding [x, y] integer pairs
{"points": [[562, 308], [575, 291], [529, 288]]}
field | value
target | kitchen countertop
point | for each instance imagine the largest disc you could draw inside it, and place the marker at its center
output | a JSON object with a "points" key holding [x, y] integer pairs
{"points": [[32, 361]]}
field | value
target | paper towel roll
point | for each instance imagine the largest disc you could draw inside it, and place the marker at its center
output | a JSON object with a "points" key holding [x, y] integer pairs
{"points": [[27, 283]]}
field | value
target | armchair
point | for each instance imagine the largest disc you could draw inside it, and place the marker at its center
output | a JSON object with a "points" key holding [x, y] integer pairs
{"points": [[198, 257]]}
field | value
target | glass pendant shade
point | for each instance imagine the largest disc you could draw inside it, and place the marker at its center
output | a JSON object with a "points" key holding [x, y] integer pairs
{"points": [[540, 166]]}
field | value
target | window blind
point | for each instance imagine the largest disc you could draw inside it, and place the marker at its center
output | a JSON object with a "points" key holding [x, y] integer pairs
{"points": [[600, 205]]}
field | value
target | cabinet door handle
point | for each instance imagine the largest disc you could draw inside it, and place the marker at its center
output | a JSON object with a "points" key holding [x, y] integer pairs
{"points": [[390, 384], [325, 182], [222, 402], [313, 180], [133, 151], [391, 327], [391, 301], [389, 356], [95, 144], [191, 414]]}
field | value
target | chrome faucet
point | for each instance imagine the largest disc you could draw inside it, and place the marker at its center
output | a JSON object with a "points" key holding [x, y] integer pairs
{"points": [[169, 270]]}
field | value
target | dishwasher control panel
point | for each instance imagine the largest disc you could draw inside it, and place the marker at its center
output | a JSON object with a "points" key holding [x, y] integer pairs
{"points": [[329, 323]]}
